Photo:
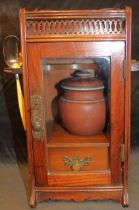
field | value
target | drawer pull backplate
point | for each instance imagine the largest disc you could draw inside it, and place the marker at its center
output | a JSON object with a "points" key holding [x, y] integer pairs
{"points": [[76, 163]]}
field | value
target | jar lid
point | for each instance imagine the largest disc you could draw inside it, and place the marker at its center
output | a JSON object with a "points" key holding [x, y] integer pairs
{"points": [[83, 80]]}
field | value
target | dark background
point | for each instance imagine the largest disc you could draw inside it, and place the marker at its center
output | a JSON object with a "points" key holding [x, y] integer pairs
{"points": [[12, 136]]}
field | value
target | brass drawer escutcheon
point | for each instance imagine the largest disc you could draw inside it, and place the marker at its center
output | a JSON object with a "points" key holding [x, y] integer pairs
{"points": [[76, 163], [36, 116]]}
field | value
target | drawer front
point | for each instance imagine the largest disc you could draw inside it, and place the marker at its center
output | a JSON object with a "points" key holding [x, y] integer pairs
{"points": [[73, 179], [78, 159]]}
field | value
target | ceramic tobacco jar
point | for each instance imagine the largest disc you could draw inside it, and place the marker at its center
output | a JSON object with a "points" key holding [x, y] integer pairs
{"points": [[82, 106]]}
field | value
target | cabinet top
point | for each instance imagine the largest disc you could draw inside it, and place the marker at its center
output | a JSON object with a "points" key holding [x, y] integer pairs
{"points": [[75, 25], [107, 12]]}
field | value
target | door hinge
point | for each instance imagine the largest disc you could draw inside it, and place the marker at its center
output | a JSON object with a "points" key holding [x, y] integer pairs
{"points": [[122, 152], [124, 69]]}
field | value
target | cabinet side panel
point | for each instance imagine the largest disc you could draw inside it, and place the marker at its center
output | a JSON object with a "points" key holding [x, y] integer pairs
{"points": [[127, 104], [22, 16]]}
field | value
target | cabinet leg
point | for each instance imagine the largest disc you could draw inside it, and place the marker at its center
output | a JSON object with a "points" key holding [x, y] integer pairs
{"points": [[32, 199], [125, 200]]}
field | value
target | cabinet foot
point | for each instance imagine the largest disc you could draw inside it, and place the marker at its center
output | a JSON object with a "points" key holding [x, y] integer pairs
{"points": [[125, 200], [32, 199]]}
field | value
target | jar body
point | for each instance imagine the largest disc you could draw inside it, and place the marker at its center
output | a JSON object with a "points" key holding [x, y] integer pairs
{"points": [[82, 106], [83, 117], [83, 95]]}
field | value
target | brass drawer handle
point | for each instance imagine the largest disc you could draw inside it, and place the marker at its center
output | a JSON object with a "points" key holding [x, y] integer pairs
{"points": [[76, 163]]}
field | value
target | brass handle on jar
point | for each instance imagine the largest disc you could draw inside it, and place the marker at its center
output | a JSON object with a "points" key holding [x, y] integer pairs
{"points": [[76, 163], [36, 116]]}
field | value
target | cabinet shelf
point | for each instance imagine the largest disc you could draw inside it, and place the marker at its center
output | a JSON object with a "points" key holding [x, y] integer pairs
{"points": [[57, 136]]}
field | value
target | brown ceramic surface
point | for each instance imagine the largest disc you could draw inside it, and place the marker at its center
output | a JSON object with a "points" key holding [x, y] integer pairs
{"points": [[82, 118], [82, 107], [83, 95]]}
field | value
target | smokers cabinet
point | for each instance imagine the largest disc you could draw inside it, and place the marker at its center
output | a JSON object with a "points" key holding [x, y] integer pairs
{"points": [[54, 45]]}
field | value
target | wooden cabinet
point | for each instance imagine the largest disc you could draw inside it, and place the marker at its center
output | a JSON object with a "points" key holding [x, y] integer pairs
{"points": [[54, 44]]}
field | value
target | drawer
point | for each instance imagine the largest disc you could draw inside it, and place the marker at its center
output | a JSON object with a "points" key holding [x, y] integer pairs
{"points": [[78, 159], [79, 179]]}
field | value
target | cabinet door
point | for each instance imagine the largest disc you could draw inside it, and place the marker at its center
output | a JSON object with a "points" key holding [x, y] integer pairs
{"points": [[37, 54]]}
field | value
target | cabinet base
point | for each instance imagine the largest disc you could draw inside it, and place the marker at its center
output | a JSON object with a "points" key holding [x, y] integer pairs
{"points": [[78, 194]]}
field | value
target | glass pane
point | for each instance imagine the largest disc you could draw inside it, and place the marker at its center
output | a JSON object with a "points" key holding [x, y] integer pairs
{"points": [[57, 70]]}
